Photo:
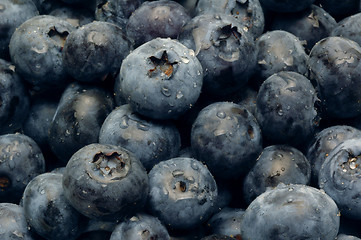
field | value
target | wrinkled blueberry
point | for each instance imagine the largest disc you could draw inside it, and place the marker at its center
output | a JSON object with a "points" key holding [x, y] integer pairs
{"points": [[80, 114], [94, 51], [140, 227], [162, 18], [276, 164], [225, 50], [227, 138], [115, 11], [182, 193], [340, 177], [105, 182], [47, 211], [36, 51], [291, 212], [324, 142], [248, 12], [150, 141], [161, 79], [14, 99], [286, 109], [20, 161]]}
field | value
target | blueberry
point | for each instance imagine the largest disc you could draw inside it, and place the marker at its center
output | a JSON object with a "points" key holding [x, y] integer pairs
{"points": [[140, 227], [12, 14], [334, 65], [36, 51], [13, 222], [310, 25], [277, 51], [225, 50], [115, 11], [227, 138], [182, 193], [324, 142], [20, 161], [105, 182], [291, 212], [283, 6], [14, 99], [161, 79], [286, 108], [349, 28], [80, 114], [339, 177], [94, 51], [276, 164], [346, 237], [47, 210], [161, 18], [227, 222], [247, 12], [75, 16], [150, 141]]}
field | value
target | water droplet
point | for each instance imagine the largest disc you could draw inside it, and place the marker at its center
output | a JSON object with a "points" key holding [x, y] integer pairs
{"points": [[194, 84], [221, 115], [290, 200], [283, 168], [67, 132], [124, 122], [143, 127], [194, 166], [280, 112], [353, 165], [185, 60], [166, 92], [179, 95], [290, 189], [42, 191]]}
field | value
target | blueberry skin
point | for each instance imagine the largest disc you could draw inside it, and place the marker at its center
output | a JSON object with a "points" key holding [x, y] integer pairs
{"points": [[286, 108], [225, 50], [284, 6], [161, 79], [12, 15], [80, 114], [339, 177], [150, 141], [182, 193], [334, 64], [140, 227], [227, 138], [249, 13], [291, 212], [13, 222], [276, 164], [227, 222], [20, 161], [36, 51], [346, 237], [75, 16], [14, 99], [153, 19], [217, 237], [310, 25], [39, 119], [47, 211], [349, 28], [115, 11], [94, 51], [277, 51], [105, 182], [324, 142]]}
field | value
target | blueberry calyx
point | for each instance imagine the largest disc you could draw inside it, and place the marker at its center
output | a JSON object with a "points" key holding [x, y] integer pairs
{"points": [[225, 39], [4, 183], [58, 36], [162, 65], [108, 167]]}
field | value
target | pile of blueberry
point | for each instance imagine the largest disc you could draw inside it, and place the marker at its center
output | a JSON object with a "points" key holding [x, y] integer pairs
{"points": [[180, 119]]}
